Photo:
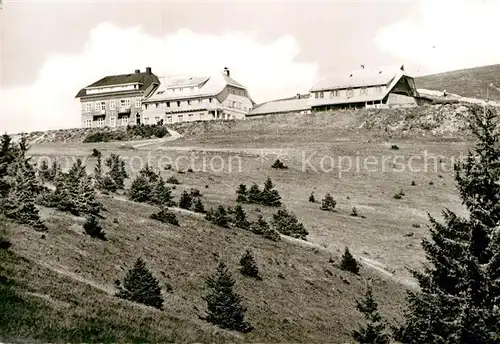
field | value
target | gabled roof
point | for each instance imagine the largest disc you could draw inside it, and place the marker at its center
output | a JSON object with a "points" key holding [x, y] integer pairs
{"points": [[359, 78], [281, 106], [207, 86], [143, 79]]}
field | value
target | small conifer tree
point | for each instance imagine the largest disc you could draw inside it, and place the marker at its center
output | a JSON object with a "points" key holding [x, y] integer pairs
{"points": [[161, 194], [165, 216], [242, 194], [270, 196], [140, 189], [311, 198], [286, 223], [117, 170], [254, 194], [186, 200], [218, 217], [328, 203], [93, 228], [44, 171], [248, 265], [224, 305], [348, 262], [374, 332], [240, 217], [98, 173], [141, 286], [198, 206]]}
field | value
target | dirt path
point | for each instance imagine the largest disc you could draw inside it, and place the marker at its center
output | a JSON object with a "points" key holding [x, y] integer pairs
{"points": [[174, 135]]}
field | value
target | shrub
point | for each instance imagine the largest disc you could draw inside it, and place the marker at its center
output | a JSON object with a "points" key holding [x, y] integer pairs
{"points": [[173, 180], [279, 165], [328, 203], [286, 223], [270, 196], [218, 217], [397, 196], [248, 265], [195, 192], [224, 307], [160, 131], [165, 216], [394, 147], [96, 152], [242, 194], [186, 200], [140, 189], [117, 169], [354, 212], [348, 262], [240, 218], [413, 183], [190, 170], [375, 329], [44, 172], [311, 198], [198, 206], [93, 228], [141, 286], [260, 226], [254, 194]]}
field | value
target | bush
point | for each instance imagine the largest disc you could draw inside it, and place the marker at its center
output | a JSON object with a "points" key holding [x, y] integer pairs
{"points": [[354, 212], [160, 131], [394, 147], [240, 218], [248, 265], [195, 192], [198, 206], [218, 217], [141, 286], [242, 194], [224, 307], [399, 195], [268, 196], [254, 194], [186, 200], [311, 198], [149, 187], [165, 216], [286, 223], [96, 152], [93, 228], [117, 171], [173, 180], [348, 262], [279, 165], [413, 183], [328, 203]]}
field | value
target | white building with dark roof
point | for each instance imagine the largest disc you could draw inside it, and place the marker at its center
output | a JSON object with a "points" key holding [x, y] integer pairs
{"points": [[371, 88], [194, 98]]}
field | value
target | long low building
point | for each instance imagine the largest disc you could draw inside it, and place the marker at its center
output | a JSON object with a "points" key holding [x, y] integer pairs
{"points": [[297, 104], [370, 88]]}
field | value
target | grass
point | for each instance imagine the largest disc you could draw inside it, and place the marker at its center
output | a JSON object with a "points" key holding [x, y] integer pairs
{"points": [[303, 296], [471, 82]]}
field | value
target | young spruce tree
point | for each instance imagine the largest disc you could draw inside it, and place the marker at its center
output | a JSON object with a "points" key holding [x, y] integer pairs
{"points": [[374, 332], [459, 295], [224, 305]]}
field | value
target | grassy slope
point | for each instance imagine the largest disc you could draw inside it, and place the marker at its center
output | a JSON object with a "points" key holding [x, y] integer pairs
{"points": [[472, 82], [64, 283]]}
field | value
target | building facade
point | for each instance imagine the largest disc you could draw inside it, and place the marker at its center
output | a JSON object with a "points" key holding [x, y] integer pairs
{"points": [[116, 100], [376, 88], [187, 99]]}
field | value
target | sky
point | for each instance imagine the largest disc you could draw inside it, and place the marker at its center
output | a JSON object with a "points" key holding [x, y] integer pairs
{"points": [[51, 49]]}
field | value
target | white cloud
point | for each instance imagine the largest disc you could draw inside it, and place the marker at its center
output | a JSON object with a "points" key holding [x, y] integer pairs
{"points": [[268, 70], [445, 35]]}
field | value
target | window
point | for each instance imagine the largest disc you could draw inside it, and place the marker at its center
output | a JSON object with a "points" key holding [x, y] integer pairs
{"points": [[316, 94], [88, 122], [146, 106], [209, 100], [168, 104], [169, 119], [112, 121], [124, 121], [88, 107], [157, 119], [137, 103], [100, 122], [321, 95], [180, 118], [334, 93], [362, 90], [350, 92], [112, 105], [157, 105], [125, 103], [199, 101], [160, 92], [100, 106], [146, 120], [178, 103], [191, 89], [189, 102], [181, 89], [378, 89], [190, 115]]}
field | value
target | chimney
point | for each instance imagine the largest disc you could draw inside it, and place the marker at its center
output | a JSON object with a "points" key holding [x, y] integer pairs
{"points": [[137, 71], [148, 70], [226, 71]]}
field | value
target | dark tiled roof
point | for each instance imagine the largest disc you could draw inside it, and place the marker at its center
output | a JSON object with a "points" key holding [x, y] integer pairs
{"points": [[144, 78]]}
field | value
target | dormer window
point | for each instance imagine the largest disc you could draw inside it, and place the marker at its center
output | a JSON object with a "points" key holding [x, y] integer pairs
{"points": [[363, 91], [350, 92]]}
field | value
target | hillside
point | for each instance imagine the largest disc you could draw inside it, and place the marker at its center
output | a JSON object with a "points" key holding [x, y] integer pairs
{"points": [[478, 82], [60, 286]]}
